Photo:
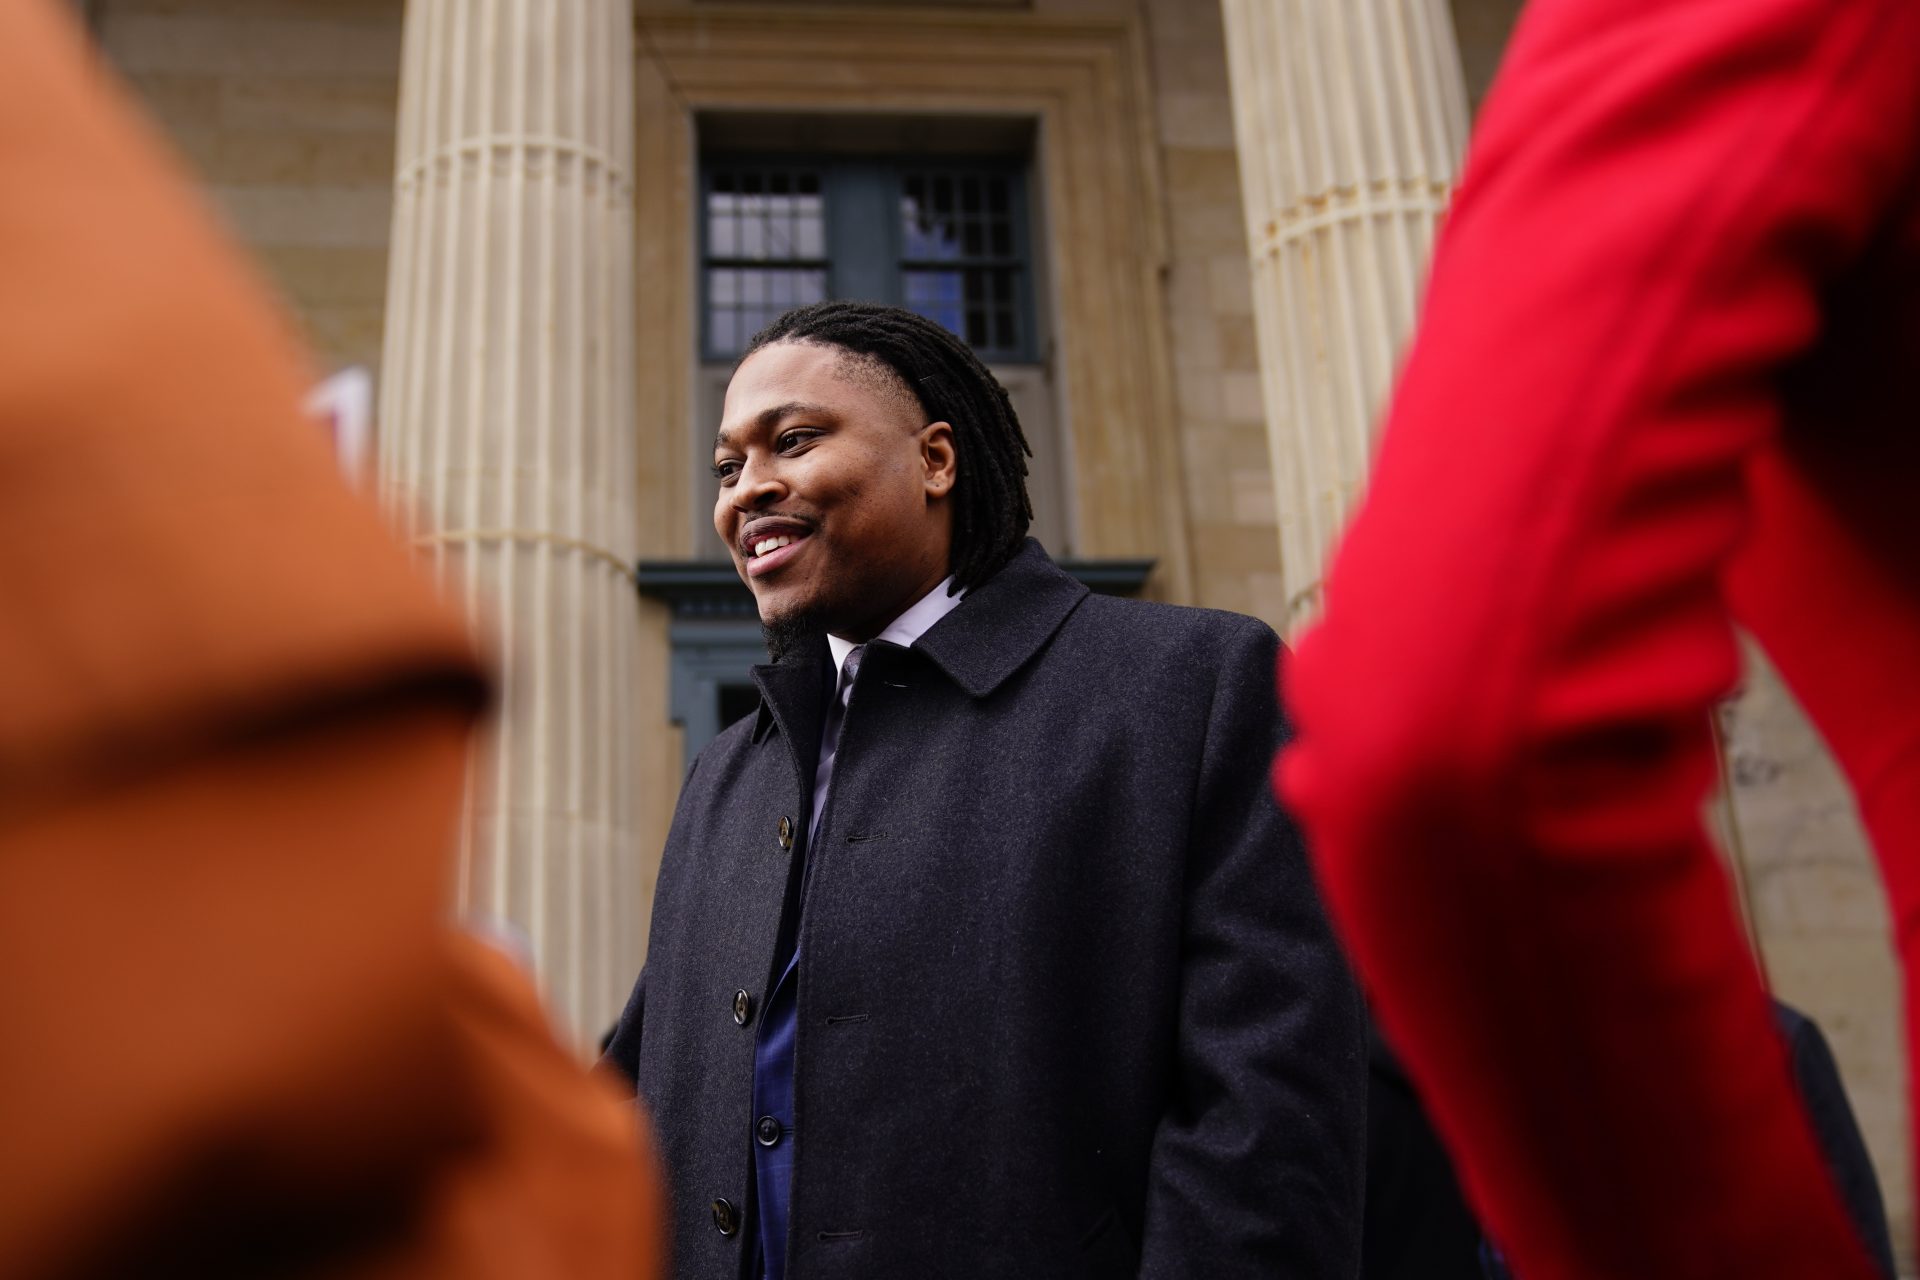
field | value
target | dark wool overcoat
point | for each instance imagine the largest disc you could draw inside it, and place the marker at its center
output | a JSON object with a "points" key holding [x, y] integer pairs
{"points": [[1068, 1005]]}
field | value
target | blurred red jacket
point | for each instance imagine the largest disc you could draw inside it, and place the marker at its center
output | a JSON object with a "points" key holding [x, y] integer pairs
{"points": [[1664, 381]]}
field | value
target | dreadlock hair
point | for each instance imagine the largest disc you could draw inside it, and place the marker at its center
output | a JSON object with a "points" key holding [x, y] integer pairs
{"points": [[990, 506]]}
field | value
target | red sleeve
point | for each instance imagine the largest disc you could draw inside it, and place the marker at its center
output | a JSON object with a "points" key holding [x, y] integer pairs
{"points": [[1504, 745]]}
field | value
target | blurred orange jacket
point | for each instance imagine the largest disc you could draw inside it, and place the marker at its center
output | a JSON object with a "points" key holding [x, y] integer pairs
{"points": [[237, 1033]]}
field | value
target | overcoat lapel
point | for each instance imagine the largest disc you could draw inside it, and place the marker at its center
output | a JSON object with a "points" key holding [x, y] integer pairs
{"points": [[793, 697]]}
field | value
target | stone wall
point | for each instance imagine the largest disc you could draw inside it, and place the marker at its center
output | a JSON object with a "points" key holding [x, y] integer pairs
{"points": [[1216, 363], [286, 109]]}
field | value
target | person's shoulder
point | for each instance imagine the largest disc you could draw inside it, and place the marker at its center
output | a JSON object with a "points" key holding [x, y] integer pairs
{"points": [[1177, 623], [734, 740], [724, 752], [1180, 650]]}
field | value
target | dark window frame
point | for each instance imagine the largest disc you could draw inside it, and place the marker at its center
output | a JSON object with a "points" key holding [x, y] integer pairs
{"points": [[856, 192]]}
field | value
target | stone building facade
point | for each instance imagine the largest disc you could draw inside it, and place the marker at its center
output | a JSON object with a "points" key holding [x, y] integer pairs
{"points": [[506, 209]]}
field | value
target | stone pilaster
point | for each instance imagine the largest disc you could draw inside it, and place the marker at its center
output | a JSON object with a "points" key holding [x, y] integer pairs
{"points": [[1351, 118], [507, 438]]}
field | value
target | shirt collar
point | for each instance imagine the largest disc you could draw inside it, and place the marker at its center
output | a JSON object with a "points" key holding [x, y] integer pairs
{"points": [[906, 628]]}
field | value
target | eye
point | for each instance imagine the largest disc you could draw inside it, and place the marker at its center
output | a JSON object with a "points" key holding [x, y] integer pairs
{"points": [[789, 441], [726, 469]]}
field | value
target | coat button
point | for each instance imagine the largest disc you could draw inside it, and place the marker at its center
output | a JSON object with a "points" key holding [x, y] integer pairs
{"points": [[726, 1218], [784, 834], [768, 1131], [742, 1008]]}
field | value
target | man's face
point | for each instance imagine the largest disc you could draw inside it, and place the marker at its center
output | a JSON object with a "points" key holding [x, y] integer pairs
{"points": [[832, 491]]}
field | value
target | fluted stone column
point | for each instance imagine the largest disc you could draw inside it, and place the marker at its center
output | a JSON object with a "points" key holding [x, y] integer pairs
{"points": [[1351, 118], [507, 436]]}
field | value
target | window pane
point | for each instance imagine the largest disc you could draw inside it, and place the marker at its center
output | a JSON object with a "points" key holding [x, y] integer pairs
{"points": [[927, 234], [1005, 306], [977, 304], [811, 237], [721, 205], [956, 217], [912, 239], [920, 238], [722, 330], [766, 215], [779, 234], [753, 228], [937, 295], [741, 301], [942, 243], [1004, 334]]}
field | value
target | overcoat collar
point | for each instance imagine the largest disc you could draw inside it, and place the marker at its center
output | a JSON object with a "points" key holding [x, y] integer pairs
{"points": [[1004, 622], [793, 694]]}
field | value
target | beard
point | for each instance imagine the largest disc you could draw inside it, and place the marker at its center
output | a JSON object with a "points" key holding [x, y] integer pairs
{"points": [[785, 631]]}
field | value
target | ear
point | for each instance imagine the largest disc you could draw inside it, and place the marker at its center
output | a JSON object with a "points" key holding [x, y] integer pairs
{"points": [[937, 455]]}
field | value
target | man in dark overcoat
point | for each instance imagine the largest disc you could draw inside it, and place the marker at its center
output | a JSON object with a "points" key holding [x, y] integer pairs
{"points": [[982, 948]]}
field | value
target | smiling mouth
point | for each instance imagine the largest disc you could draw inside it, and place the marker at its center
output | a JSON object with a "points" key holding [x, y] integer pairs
{"points": [[765, 554]]}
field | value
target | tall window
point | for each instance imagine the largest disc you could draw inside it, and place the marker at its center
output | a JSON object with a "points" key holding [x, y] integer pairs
{"points": [[962, 258], [766, 248], [947, 240]]}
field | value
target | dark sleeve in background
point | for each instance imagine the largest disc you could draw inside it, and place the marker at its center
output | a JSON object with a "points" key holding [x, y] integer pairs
{"points": [[620, 1046], [1818, 1077], [1418, 1226]]}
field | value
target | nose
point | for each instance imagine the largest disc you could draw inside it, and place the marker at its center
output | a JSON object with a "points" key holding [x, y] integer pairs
{"points": [[758, 484]]}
